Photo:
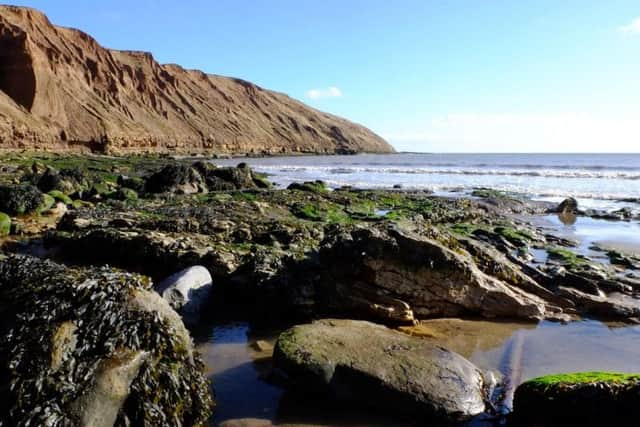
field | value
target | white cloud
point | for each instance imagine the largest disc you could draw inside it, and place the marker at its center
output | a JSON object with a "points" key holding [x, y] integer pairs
{"points": [[329, 92], [632, 28], [552, 132]]}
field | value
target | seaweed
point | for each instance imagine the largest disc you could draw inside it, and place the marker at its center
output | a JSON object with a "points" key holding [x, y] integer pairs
{"points": [[41, 295]]}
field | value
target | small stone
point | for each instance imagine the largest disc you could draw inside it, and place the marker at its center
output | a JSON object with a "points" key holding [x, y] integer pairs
{"points": [[262, 346], [187, 291]]}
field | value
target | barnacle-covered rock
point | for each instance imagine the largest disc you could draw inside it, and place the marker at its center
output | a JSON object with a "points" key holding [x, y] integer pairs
{"points": [[93, 347], [66, 181], [176, 178], [202, 177], [20, 199]]}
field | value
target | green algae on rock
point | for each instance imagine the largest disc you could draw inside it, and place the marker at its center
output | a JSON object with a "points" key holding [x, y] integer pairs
{"points": [[578, 399], [82, 345], [5, 224], [567, 257], [310, 186], [385, 369], [59, 196], [264, 244]]}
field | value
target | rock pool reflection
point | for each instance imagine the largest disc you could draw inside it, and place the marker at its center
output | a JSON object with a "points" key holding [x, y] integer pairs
{"points": [[238, 359]]}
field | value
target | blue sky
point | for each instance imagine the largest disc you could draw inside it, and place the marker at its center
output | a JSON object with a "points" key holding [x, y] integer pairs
{"points": [[477, 76]]}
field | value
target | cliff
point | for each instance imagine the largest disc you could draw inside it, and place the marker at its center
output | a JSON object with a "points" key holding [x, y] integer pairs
{"points": [[61, 90]]}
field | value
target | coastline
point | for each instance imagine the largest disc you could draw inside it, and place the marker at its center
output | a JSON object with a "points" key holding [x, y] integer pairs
{"points": [[310, 252]]}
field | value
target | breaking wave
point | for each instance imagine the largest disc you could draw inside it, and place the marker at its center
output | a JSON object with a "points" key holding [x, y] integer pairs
{"points": [[632, 175]]}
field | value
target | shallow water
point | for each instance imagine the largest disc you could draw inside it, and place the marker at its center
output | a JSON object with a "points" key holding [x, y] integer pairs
{"points": [[597, 181], [519, 351], [621, 235]]}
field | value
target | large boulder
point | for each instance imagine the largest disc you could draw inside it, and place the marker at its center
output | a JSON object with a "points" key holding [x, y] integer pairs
{"points": [[187, 291], [176, 178], [228, 178], [20, 199], [367, 268], [376, 366], [578, 399], [201, 177], [568, 206], [66, 181], [93, 347]]}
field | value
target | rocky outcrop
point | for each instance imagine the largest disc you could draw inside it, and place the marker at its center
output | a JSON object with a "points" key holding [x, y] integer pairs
{"points": [[306, 251], [368, 267], [61, 90], [387, 370], [93, 347], [202, 177], [568, 206]]}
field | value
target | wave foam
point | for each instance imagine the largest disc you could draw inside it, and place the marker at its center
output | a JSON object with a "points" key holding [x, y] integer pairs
{"points": [[550, 173]]}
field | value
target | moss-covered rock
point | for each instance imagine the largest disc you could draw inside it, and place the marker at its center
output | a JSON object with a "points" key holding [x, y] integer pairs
{"points": [[20, 199], [67, 181], [322, 212], [134, 183], [567, 257], [93, 347], [516, 236], [59, 196], [486, 193], [382, 368], [47, 203], [578, 399], [311, 186], [261, 180], [5, 224], [125, 194]]}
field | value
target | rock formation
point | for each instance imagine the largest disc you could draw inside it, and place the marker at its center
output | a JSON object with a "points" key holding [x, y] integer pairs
{"points": [[61, 90], [93, 347], [371, 364], [395, 273]]}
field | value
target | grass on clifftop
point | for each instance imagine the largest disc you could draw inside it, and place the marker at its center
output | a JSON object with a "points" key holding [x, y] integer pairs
{"points": [[583, 378]]}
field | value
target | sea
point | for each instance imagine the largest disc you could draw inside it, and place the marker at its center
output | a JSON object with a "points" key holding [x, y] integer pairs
{"points": [[598, 181]]}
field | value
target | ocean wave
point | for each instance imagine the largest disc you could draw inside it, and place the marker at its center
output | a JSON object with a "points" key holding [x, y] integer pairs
{"points": [[551, 173], [558, 194], [559, 166]]}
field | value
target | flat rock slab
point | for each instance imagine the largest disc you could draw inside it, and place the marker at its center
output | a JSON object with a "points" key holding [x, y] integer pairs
{"points": [[372, 364]]}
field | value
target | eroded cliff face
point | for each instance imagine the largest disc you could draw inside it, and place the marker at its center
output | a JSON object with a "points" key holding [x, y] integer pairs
{"points": [[61, 90]]}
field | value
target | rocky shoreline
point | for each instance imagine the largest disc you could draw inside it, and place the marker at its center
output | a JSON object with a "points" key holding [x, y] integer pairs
{"points": [[222, 239]]}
